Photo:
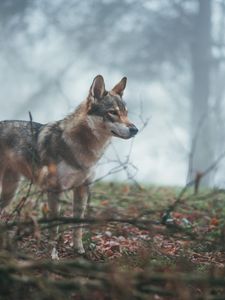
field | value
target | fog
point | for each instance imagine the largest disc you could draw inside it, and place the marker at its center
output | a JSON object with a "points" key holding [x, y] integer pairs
{"points": [[172, 53]]}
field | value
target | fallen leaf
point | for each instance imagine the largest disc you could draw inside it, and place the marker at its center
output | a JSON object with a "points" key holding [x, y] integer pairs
{"points": [[214, 222]]}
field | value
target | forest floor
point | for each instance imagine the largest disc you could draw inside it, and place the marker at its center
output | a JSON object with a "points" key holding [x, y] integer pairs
{"points": [[156, 250]]}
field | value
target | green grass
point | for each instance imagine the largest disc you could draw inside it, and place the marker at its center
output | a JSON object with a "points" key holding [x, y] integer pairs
{"points": [[191, 243]]}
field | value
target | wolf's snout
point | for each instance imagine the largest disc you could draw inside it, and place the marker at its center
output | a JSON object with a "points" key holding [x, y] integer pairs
{"points": [[133, 130]]}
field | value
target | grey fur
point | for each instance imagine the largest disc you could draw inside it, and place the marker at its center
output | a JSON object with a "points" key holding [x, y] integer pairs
{"points": [[62, 154]]}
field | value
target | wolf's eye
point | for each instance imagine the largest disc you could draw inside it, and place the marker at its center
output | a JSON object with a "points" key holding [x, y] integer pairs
{"points": [[113, 112]]}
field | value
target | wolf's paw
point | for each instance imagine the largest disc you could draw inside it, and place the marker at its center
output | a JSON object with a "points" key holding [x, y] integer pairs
{"points": [[78, 247], [54, 254], [80, 250]]}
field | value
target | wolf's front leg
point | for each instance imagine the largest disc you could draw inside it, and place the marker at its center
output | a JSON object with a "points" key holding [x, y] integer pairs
{"points": [[53, 201], [80, 198]]}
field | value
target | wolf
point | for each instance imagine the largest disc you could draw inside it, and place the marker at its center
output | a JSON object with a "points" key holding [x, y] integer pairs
{"points": [[61, 155]]}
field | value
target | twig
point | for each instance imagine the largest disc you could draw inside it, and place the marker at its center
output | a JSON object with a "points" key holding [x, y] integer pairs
{"points": [[70, 220], [193, 183]]}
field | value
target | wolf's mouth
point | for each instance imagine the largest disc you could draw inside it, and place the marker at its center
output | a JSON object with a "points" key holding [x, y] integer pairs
{"points": [[119, 136], [114, 133]]}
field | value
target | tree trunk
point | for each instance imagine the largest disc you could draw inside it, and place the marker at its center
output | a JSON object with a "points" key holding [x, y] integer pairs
{"points": [[201, 149]]}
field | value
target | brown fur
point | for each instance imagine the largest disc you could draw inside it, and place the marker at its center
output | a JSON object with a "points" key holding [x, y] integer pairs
{"points": [[61, 155]]}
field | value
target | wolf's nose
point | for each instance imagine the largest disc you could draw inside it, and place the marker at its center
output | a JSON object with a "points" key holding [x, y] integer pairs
{"points": [[133, 130]]}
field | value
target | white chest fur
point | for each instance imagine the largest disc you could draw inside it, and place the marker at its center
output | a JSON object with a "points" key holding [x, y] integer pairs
{"points": [[69, 177]]}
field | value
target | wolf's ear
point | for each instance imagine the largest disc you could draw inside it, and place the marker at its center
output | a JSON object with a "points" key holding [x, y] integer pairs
{"points": [[120, 87], [97, 89]]}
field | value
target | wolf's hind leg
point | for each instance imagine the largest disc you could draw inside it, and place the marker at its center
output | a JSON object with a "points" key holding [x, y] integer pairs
{"points": [[80, 199], [10, 180]]}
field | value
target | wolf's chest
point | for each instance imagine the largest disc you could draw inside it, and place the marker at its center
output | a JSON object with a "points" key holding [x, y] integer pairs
{"points": [[69, 177]]}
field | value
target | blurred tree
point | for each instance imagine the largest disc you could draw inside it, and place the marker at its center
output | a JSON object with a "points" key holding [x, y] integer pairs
{"points": [[157, 36], [164, 40], [10, 9], [148, 39], [201, 61]]}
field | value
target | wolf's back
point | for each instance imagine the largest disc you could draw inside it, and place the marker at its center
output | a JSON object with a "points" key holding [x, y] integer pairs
{"points": [[19, 137]]}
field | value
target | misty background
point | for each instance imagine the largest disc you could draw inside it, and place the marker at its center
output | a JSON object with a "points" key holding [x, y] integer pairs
{"points": [[172, 51]]}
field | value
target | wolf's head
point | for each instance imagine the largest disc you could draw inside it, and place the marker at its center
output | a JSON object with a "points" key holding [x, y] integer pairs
{"points": [[110, 108]]}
